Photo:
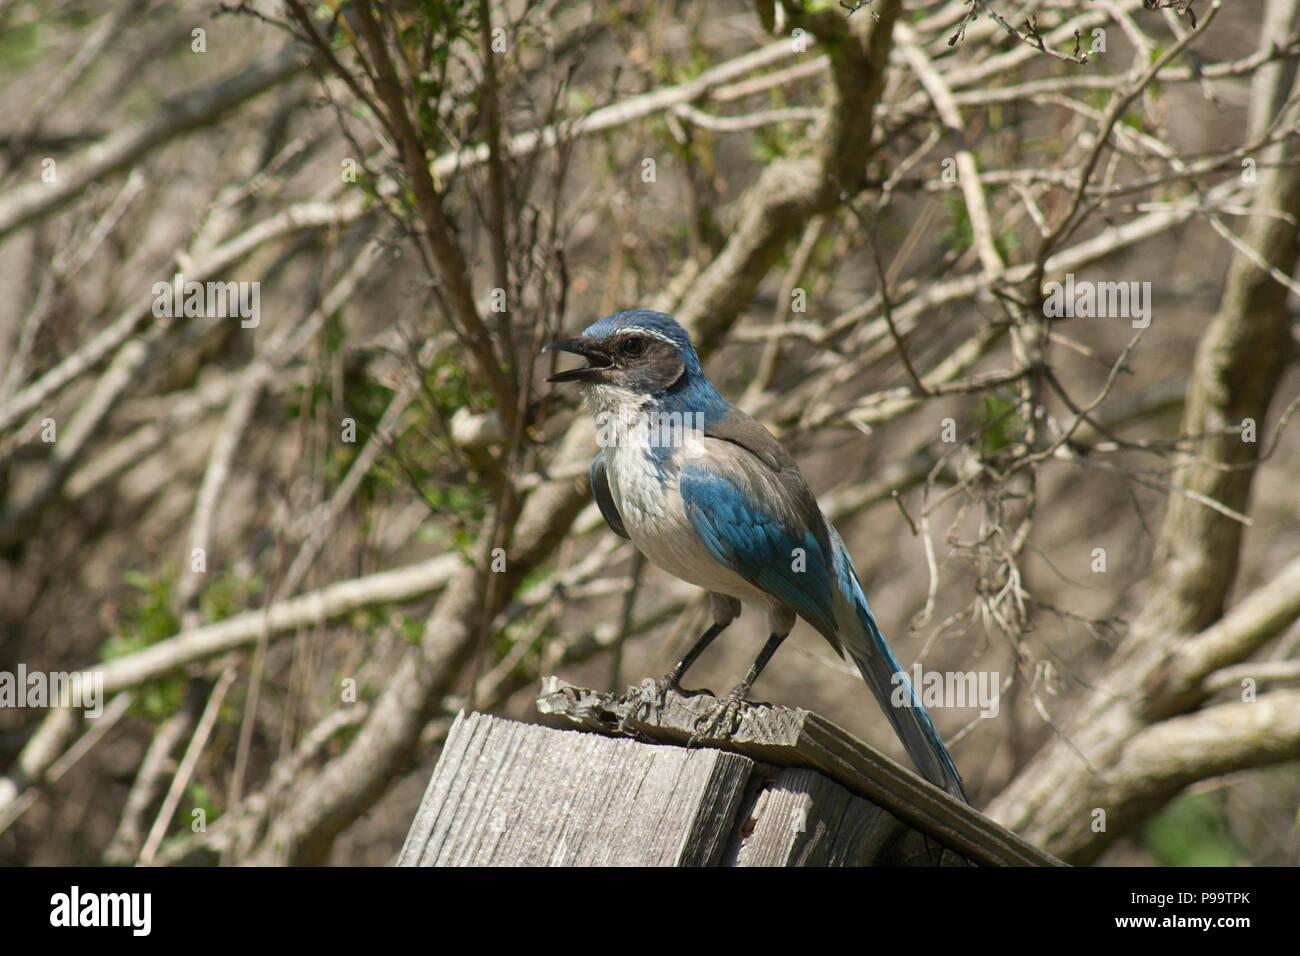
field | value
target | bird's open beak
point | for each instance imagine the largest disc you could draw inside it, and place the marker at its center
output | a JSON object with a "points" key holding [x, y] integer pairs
{"points": [[597, 358]]}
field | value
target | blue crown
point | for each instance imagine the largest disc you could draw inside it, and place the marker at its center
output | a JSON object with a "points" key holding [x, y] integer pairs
{"points": [[656, 323]]}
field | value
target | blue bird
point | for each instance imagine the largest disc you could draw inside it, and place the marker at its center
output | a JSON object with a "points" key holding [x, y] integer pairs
{"points": [[708, 494]]}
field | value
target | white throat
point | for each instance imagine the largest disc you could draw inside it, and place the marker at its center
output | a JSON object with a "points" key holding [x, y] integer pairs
{"points": [[613, 400]]}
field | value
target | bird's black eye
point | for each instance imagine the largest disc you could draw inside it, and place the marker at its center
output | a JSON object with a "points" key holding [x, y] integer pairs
{"points": [[633, 346]]}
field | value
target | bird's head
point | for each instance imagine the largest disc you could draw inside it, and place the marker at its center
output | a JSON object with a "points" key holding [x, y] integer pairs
{"points": [[631, 356]]}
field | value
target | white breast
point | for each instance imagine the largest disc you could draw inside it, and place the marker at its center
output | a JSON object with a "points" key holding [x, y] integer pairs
{"points": [[655, 518]]}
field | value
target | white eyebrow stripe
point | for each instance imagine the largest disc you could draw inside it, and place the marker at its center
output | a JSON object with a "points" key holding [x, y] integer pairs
{"points": [[650, 332]]}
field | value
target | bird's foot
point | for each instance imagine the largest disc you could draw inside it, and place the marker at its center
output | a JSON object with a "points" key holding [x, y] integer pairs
{"points": [[723, 721], [643, 697]]}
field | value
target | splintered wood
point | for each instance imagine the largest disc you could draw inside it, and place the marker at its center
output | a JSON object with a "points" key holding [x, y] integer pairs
{"points": [[621, 788]]}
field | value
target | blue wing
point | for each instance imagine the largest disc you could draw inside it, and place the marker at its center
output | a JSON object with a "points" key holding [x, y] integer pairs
{"points": [[605, 500], [758, 543]]}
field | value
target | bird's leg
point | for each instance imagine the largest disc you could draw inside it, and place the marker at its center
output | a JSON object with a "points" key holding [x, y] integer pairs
{"points": [[673, 679], [721, 723], [725, 610], [645, 695]]}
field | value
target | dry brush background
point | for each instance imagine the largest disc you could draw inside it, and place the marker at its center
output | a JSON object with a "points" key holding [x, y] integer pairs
{"points": [[855, 211]]}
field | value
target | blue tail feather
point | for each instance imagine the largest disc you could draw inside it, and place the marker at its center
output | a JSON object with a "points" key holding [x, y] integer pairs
{"points": [[888, 682]]}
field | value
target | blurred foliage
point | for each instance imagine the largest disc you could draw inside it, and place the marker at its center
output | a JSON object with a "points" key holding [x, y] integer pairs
{"points": [[19, 46], [998, 423], [144, 618], [229, 593], [1191, 831], [958, 234]]}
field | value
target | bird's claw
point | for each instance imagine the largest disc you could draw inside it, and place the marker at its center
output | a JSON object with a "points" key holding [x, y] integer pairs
{"points": [[723, 721], [640, 698]]}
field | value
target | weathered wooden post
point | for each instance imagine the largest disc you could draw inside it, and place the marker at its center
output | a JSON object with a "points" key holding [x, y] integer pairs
{"points": [[606, 783]]}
